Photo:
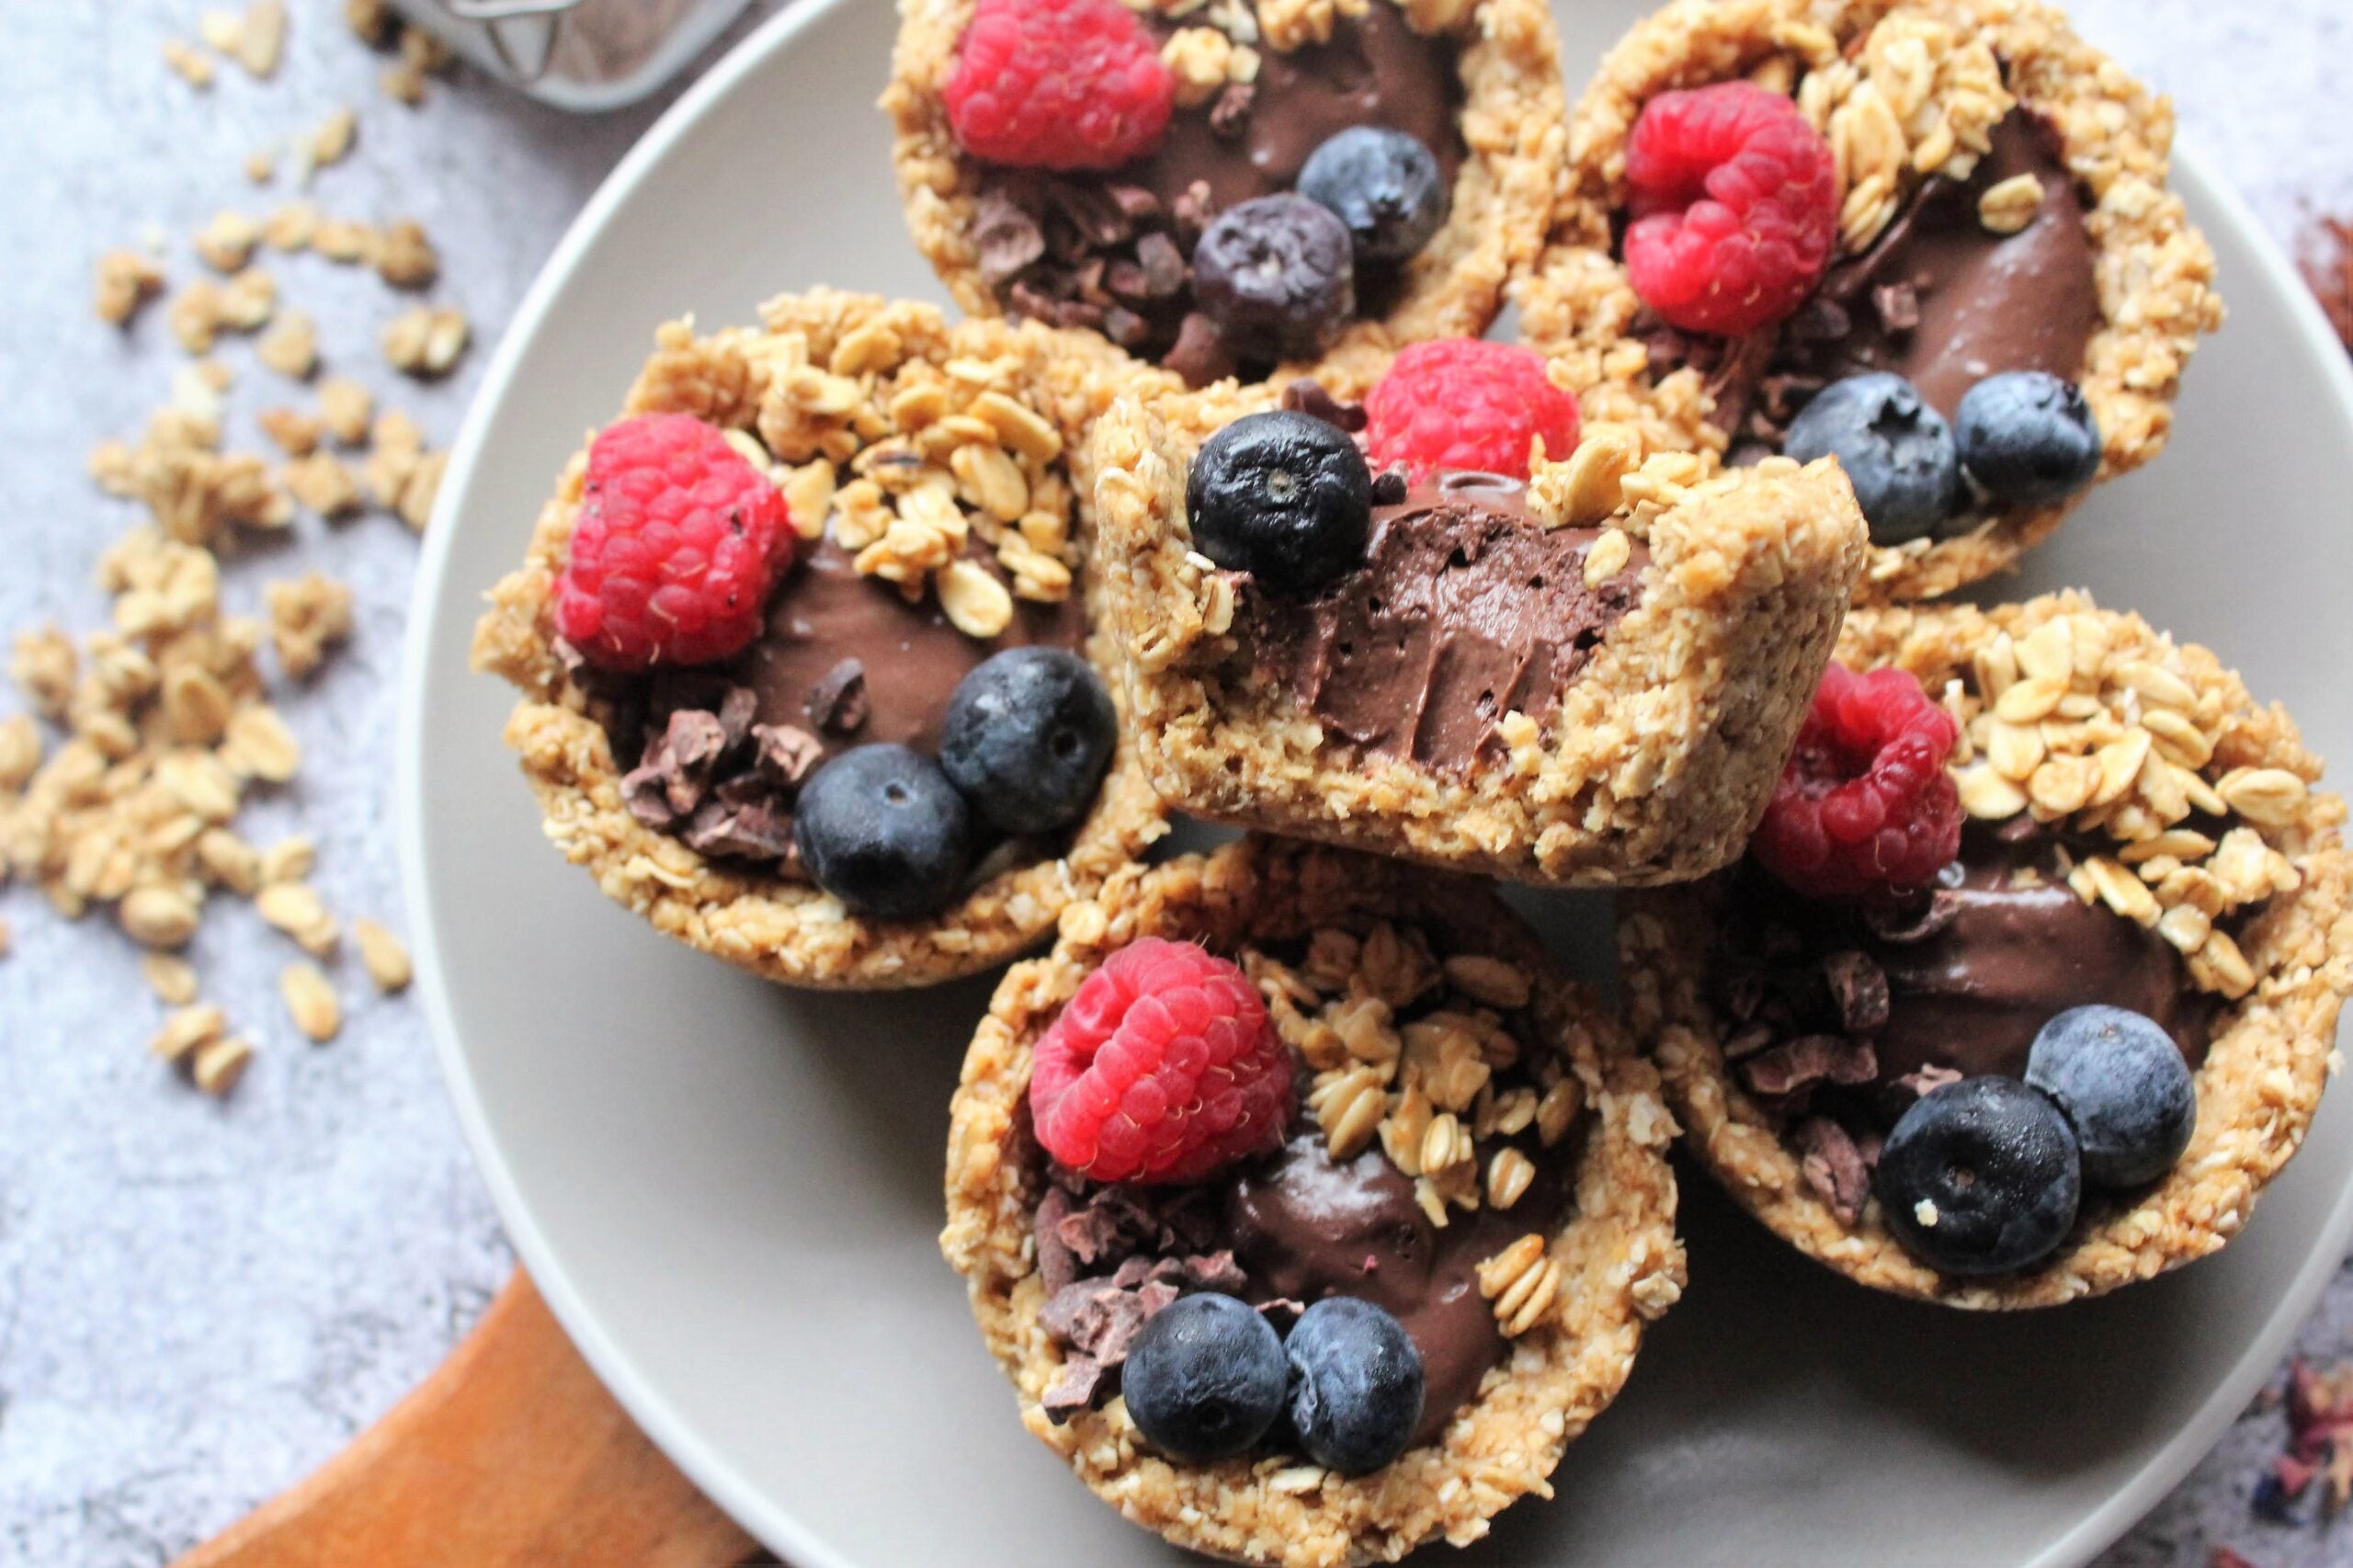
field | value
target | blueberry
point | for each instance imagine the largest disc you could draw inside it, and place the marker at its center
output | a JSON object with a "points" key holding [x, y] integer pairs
{"points": [[2027, 438], [1026, 738], [2122, 1083], [1897, 451], [1384, 185], [1283, 496], [1355, 1385], [1276, 276], [1204, 1379], [881, 829], [1981, 1176]]}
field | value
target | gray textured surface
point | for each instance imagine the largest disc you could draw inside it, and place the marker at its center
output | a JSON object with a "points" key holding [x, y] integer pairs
{"points": [[198, 1302]]}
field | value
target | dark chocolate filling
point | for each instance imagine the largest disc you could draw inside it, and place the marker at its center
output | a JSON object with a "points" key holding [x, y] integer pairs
{"points": [[1465, 609]]}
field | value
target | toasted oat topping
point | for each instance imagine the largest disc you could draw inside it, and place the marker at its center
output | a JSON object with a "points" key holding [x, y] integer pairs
{"points": [[2118, 744], [1422, 1056]]}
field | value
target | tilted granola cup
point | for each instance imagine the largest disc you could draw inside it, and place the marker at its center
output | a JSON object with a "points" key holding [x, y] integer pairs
{"points": [[1612, 1264], [2188, 812], [857, 405], [1661, 750], [1910, 96], [1506, 95]]}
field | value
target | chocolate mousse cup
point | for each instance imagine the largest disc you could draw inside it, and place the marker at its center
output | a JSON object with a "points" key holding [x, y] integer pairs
{"points": [[2152, 842], [884, 426], [1586, 680], [1402, 991], [2004, 207], [1478, 82]]}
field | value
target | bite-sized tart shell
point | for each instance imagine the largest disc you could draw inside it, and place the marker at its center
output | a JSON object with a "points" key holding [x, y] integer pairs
{"points": [[786, 929], [1621, 1263], [2272, 1052], [1662, 751], [2154, 272], [1515, 145]]}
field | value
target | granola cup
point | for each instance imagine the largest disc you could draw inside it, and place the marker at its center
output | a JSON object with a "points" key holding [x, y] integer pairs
{"points": [[825, 378], [1620, 1266], [1663, 749], [2280, 983], [1513, 122], [2153, 272]]}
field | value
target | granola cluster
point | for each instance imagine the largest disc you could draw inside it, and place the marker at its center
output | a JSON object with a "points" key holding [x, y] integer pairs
{"points": [[2073, 718], [1427, 1056], [899, 448]]}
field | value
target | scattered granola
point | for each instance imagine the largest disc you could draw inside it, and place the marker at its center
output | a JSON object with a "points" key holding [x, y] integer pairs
{"points": [[170, 977], [307, 617], [292, 346], [347, 407], [385, 959], [404, 256], [227, 242], [192, 64], [310, 1002], [220, 1065], [426, 342], [126, 280]]}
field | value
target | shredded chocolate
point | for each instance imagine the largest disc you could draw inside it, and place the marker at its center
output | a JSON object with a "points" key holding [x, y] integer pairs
{"points": [[1859, 988], [1834, 1167], [784, 756], [1306, 396], [1915, 922], [1230, 116], [838, 703], [1808, 1060], [1199, 353], [1007, 239], [751, 830], [1073, 1389]]}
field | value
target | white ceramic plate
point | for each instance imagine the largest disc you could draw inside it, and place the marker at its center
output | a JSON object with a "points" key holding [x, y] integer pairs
{"points": [[729, 1192]]}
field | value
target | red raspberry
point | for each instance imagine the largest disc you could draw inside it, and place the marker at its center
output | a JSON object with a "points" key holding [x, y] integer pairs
{"points": [[1058, 85], [1735, 207], [1162, 1069], [1469, 406], [1864, 804], [678, 544]]}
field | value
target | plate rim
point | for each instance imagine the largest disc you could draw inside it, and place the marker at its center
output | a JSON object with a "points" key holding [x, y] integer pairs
{"points": [[638, 1393]]}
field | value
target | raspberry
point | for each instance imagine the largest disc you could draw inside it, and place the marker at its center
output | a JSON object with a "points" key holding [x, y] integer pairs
{"points": [[1865, 805], [1162, 1069], [679, 542], [1469, 406], [1058, 85], [1735, 207]]}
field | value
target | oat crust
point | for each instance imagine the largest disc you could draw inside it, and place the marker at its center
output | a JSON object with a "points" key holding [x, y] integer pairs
{"points": [[2272, 1053], [1655, 768], [2154, 271], [1621, 1262], [1515, 138], [788, 930]]}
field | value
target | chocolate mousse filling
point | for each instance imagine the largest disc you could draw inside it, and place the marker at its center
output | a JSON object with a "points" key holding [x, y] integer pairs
{"points": [[1466, 609], [845, 661], [1938, 299], [1282, 1232], [1829, 997], [1113, 251]]}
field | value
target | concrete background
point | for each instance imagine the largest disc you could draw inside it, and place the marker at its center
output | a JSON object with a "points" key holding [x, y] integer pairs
{"points": [[199, 1301]]}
